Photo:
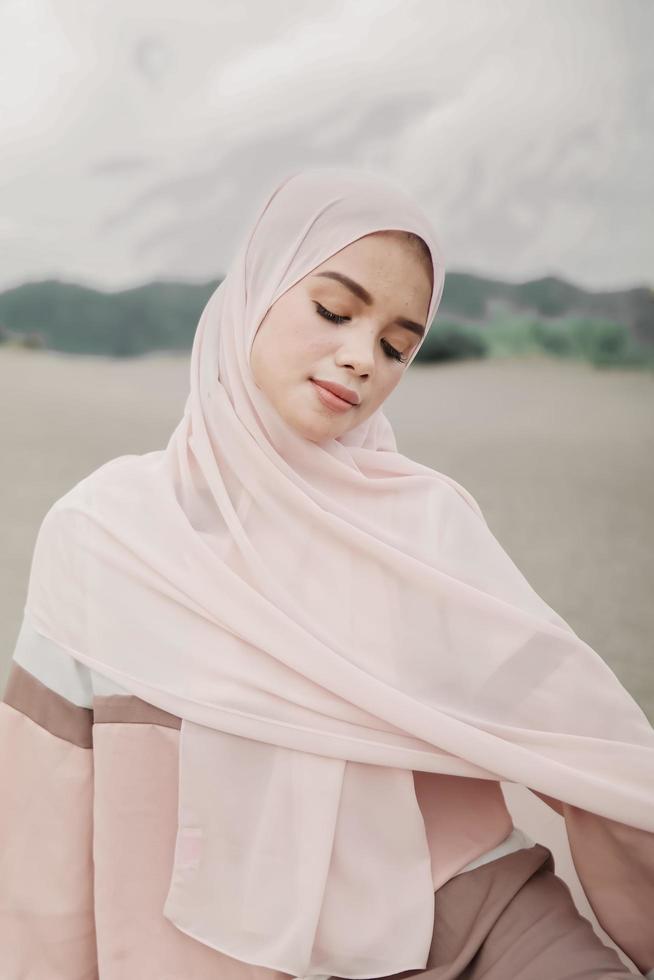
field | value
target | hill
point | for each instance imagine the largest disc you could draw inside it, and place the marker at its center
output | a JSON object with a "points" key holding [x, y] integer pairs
{"points": [[163, 315]]}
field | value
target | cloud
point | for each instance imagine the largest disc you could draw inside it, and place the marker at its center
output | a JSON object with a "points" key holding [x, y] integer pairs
{"points": [[138, 140]]}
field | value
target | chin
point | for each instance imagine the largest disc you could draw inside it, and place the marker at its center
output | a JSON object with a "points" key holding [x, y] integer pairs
{"points": [[317, 432]]}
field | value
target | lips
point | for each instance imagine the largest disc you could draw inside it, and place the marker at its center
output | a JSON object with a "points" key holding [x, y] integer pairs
{"points": [[346, 394]]}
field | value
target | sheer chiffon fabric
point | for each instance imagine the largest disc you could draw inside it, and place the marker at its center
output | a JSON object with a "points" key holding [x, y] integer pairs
{"points": [[301, 605]]}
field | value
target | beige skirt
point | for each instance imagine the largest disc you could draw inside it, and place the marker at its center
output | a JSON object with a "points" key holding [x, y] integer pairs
{"points": [[514, 919]]}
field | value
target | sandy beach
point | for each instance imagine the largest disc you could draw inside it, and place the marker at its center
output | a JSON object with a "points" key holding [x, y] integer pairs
{"points": [[558, 455]]}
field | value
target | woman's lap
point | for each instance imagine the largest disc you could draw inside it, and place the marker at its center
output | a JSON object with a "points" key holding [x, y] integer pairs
{"points": [[514, 919], [540, 935]]}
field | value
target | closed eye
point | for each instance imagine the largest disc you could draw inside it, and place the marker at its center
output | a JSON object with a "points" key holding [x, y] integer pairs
{"points": [[328, 315], [390, 351]]}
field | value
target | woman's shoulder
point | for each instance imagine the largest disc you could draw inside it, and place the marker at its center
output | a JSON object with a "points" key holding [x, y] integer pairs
{"points": [[56, 668], [51, 692]]}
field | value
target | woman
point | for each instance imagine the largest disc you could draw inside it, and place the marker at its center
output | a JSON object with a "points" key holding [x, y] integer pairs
{"points": [[270, 677]]}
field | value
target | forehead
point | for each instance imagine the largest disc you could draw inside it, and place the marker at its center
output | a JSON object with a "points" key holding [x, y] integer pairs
{"points": [[382, 270], [380, 256]]}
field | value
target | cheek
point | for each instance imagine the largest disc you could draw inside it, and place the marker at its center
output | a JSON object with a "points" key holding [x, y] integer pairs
{"points": [[385, 383], [316, 348], [275, 345], [309, 346]]}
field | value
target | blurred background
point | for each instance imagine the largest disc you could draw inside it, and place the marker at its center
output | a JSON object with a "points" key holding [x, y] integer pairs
{"points": [[137, 142]]}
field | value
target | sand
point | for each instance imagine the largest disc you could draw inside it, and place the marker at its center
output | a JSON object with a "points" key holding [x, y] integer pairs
{"points": [[558, 455]]}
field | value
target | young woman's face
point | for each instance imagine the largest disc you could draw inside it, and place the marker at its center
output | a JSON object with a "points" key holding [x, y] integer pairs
{"points": [[298, 342]]}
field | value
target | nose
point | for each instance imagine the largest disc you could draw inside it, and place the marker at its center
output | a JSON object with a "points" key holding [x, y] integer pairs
{"points": [[357, 352]]}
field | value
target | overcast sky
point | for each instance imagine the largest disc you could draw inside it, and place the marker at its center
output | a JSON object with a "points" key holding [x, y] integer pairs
{"points": [[137, 137]]}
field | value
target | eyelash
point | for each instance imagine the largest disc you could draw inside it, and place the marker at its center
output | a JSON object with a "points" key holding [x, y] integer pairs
{"points": [[335, 318]]}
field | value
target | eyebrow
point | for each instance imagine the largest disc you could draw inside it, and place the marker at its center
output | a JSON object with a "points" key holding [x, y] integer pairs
{"points": [[366, 298]]}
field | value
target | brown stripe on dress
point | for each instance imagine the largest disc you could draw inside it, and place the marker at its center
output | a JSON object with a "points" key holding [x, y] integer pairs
{"points": [[51, 711], [112, 708]]}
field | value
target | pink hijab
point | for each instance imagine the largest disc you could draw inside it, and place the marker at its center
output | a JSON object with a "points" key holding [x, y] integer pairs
{"points": [[325, 619]]}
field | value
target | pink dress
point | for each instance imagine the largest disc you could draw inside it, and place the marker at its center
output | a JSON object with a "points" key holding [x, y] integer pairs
{"points": [[88, 825]]}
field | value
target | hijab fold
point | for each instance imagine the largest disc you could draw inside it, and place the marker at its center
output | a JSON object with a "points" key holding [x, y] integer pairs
{"points": [[326, 618]]}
